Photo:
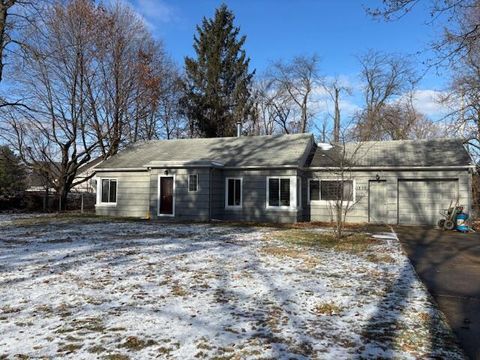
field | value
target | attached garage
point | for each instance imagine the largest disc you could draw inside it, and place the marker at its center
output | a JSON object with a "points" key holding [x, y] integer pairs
{"points": [[407, 182], [421, 200]]}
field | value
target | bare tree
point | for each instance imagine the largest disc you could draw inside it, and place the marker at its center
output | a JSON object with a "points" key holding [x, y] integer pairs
{"points": [[172, 123], [448, 14], [386, 78], [298, 79], [274, 109], [53, 71], [463, 97], [343, 157], [96, 81], [335, 88], [125, 81], [155, 111], [15, 16]]}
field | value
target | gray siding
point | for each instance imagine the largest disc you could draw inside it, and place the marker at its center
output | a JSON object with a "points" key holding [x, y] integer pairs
{"points": [[137, 195], [189, 205], [254, 197], [132, 194], [321, 211]]}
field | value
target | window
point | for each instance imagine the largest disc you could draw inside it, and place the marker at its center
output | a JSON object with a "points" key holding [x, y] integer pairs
{"points": [[109, 191], [193, 182], [233, 192], [314, 190], [278, 192], [330, 190]]}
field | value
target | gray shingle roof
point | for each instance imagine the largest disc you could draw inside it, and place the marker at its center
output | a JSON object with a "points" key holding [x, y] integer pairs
{"points": [[404, 153], [263, 151]]}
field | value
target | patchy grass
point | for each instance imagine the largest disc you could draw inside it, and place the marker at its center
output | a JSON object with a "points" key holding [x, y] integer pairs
{"points": [[178, 290], [352, 243], [327, 309], [135, 343], [283, 252], [380, 258], [68, 218], [69, 348], [120, 289], [115, 356]]}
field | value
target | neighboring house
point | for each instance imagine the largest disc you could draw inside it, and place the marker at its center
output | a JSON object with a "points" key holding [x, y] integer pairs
{"points": [[285, 178], [86, 173], [39, 181]]}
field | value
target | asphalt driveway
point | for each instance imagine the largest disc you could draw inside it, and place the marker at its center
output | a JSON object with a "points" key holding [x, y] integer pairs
{"points": [[449, 265]]}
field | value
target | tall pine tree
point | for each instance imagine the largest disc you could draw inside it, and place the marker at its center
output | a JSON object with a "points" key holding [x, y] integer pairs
{"points": [[12, 173], [217, 81]]}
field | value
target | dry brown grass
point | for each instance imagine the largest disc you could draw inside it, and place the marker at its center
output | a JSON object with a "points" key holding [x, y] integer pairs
{"points": [[298, 225], [380, 258], [327, 309], [70, 217], [283, 252], [309, 262], [69, 348], [353, 242], [135, 343], [178, 290], [115, 357]]}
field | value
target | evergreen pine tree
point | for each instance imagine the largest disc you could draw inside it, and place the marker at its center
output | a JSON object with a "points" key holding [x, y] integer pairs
{"points": [[12, 173], [217, 81]]}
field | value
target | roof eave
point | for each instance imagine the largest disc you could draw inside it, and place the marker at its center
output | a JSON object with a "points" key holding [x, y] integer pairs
{"points": [[436, 167], [119, 169]]}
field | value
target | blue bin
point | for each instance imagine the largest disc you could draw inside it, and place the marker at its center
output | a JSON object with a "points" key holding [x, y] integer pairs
{"points": [[462, 222]]}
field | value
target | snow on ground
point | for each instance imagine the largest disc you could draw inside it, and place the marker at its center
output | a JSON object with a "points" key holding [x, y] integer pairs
{"points": [[9, 218], [120, 290]]}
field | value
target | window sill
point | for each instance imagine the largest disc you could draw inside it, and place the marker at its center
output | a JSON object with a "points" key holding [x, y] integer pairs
{"points": [[282, 208], [106, 205], [166, 215], [329, 202], [235, 208]]}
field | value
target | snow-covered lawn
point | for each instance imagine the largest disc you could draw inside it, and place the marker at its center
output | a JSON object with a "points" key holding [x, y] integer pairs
{"points": [[119, 290]]}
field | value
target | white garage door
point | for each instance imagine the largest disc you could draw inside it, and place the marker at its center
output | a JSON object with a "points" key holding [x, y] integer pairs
{"points": [[420, 201]]}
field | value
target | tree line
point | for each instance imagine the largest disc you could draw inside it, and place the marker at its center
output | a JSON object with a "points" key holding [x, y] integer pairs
{"points": [[84, 80]]}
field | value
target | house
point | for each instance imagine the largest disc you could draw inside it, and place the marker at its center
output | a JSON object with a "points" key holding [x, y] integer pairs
{"points": [[85, 174], [44, 176], [285, 178]]}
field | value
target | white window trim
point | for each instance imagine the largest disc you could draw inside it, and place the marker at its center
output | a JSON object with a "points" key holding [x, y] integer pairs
{"points": [[300, 192], [189, 182], [99, 193], [226, 193], [159, 195], [293, 194], [329, 202]]}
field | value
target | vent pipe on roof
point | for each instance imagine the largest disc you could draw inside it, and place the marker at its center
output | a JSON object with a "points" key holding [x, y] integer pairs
{"points": [[324, 146], [239, 129]]}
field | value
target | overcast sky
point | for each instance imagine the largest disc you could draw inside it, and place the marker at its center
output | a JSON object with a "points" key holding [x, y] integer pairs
{"points": [[336, 30]]}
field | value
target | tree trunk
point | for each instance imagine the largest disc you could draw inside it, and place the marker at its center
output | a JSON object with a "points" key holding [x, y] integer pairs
{"points": [[336, 119], [62, 200], [4, 6]]}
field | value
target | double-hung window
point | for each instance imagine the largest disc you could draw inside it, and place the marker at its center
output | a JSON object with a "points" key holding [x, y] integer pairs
{"points": [[108, 191], [193, 182], [278, 192], [233, 193], [331, 190]]}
